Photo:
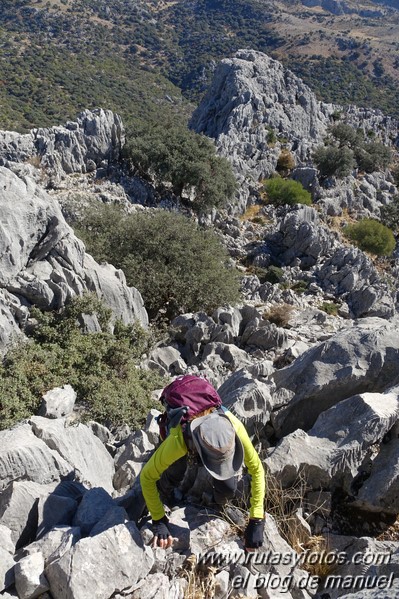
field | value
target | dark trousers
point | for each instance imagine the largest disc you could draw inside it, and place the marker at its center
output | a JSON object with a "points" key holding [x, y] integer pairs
{"points": [[223, 490]]}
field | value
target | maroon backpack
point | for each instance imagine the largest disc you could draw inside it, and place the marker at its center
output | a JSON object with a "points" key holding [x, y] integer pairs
{"points": [[185, 397]]}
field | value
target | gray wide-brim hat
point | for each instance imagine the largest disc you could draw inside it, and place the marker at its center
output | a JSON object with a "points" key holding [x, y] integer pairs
{"points": [[218, 445]]}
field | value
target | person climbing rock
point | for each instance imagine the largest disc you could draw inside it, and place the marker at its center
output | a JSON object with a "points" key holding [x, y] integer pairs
{"points": [[195, 424]]}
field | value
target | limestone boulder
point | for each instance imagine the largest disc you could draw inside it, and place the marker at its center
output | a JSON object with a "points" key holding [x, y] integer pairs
{"points": [[24, 456], [340, 444], [30, 580], [359, 359], [7, 565], [248, 398], [18, 509], [58, 402], [79, 447], [124, 561]]}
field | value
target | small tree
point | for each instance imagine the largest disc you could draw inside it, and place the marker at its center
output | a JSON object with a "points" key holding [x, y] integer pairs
{"points": [[332, 161], [371, 236], [177, 266], [346, 135], [372, 157], [169, 153], [286, 191]]}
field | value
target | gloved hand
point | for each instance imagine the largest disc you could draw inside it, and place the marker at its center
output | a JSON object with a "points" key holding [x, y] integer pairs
{"points": [[162, 536], [254, 533]]}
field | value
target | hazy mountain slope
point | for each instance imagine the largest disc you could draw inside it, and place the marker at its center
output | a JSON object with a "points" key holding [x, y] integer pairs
{"points": [[60, 57]]}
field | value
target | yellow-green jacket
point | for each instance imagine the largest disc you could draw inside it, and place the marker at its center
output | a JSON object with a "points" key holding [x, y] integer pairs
{"points": [[174, 447]]}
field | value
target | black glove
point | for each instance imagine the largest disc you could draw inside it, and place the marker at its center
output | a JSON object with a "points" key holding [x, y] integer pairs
{"points": [[254, 533], [160, 528]]}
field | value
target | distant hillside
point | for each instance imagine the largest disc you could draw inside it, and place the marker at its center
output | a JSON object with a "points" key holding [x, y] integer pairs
{"points": [[60, 56]]}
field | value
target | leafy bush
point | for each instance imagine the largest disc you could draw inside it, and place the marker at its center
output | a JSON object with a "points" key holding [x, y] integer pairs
{"points": [[170, 153], [352, 150], [101, 367], [371, 236], [372, 156], [332, 161], [274, 274], [346, 135], [286, 191], [177, 266]]}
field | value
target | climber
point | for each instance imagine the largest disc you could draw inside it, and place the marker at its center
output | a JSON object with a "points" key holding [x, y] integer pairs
{"points": [[196, 424]]}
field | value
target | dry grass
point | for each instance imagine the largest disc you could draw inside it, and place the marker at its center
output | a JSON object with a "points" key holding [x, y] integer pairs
{"points": [[201, 581], [34, 161], [280, 315], [252, 215]]}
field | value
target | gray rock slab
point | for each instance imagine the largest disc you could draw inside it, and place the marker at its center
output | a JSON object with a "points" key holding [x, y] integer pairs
{"points": [[7, 564], [114, 516], [335, 448], [30, 580], [58, 402], [24, 456], [53, 510], [366, 563], [6, 541], [120, 552], [93, 507], [363, 358], [155, 586], [381, 490], [101, 431], [54, 544], [248, 398], [80, 448], [18, 509], [136, 448]]}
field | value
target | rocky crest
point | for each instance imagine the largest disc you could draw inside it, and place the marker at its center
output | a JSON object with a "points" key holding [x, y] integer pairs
{"points": [[255, 107]]}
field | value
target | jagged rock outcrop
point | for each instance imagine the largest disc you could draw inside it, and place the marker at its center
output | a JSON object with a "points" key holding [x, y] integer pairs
{"points": [[45, 264], [251, 97], [94, 139], [342, 271], [255, 108]]}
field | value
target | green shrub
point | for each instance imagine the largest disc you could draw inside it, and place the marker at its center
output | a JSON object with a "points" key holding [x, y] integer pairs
{"points": [[371, 236], [101, 367], [286, 191], [177, 266], [332, 161], [346, 135], [168, 152], [274, 274], [330, 308], [299, 286], [372, 157]]}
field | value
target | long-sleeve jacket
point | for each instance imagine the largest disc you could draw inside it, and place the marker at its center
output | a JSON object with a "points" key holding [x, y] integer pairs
{"points": [[174, 447]]}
